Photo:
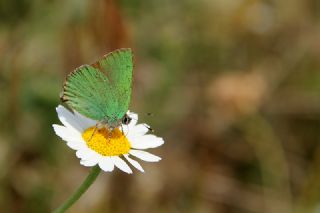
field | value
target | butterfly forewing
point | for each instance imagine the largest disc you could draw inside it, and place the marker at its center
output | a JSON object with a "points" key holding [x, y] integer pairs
{"points": [[86, 90]]}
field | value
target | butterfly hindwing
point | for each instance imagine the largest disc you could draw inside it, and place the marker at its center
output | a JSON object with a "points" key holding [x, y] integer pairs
{"points": [[118, 67]]}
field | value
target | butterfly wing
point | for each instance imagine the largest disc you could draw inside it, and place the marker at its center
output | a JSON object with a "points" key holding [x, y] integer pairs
{"points": [[88, 91], [102, 91], [118, 67]]}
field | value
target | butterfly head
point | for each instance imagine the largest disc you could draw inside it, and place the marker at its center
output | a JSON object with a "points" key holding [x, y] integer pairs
{"points": [[114, 123], [126, 119]]}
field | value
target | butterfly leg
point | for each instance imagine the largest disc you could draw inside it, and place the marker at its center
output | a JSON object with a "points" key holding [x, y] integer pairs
{"points": [[94, 131], [111, 129], [122, 129]]}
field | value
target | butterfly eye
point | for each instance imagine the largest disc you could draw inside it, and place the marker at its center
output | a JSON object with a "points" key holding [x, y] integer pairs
{"points": [[126, 120]]}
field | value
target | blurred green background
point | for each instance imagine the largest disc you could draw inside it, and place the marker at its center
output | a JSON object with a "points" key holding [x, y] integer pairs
{"points": [[234, 86]]}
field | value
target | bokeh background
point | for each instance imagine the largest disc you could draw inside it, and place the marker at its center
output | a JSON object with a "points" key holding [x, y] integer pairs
{"points": [[233, 86]]}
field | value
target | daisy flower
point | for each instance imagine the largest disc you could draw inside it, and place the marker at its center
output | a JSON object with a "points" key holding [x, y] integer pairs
{"points": [[100, 147]]}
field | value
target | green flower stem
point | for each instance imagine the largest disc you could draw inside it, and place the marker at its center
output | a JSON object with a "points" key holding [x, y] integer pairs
{"points": [[77, 194]]}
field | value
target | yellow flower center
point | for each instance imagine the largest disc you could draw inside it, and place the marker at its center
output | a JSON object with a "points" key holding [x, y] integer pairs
{"points": [[106, 143]]}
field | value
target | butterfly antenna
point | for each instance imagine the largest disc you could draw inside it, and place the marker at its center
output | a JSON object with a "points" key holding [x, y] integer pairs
{"points": [[148, 127]]}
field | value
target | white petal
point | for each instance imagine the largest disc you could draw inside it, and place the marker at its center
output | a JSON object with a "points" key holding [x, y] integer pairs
{"points": [[106, 164], [67, 134], [134, 163], [68, 119], [146, 142], [76, 145], [83, 163], [141, 129], [85, 122], [90, 162], [137, 130], [121, 164], [85, 154], [146, 156]]}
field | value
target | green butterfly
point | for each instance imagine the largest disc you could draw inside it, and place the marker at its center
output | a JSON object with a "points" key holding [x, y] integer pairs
{"points": [[102, 90]]}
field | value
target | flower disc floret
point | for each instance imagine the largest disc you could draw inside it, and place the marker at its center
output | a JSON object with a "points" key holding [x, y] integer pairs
{"points": [[105, 142]]}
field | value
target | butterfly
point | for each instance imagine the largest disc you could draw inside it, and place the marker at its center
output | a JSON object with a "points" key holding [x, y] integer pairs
{"points": [[102, 91]]}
